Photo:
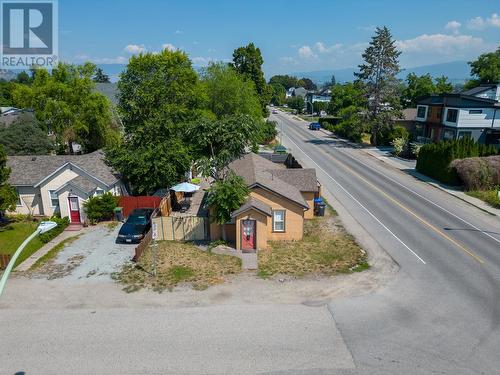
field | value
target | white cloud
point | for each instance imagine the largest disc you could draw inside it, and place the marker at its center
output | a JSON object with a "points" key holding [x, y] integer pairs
{"points": [[453, 26], [440, 43], [321, 48], [169, 46], [177, 32], [288, 60], [479, 23], [135, 48], [306, 52]]}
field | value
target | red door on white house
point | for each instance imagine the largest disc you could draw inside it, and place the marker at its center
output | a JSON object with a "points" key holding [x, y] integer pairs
{"points": [[74, 209], [248, 235]]}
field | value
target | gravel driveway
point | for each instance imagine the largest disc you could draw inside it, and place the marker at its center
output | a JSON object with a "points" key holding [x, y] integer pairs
{"points": [[94, 255]]}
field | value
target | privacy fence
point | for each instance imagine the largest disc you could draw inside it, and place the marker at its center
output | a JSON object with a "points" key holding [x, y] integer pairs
{"points": [[185, 228]]}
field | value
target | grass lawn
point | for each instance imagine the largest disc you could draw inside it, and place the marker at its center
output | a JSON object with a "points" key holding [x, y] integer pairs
{"points": [[177, 263], [52, 253], [13, 235], [489, 196], [326, 249]]}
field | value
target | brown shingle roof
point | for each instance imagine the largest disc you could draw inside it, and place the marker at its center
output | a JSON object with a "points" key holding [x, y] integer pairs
{"points": [[288, 183], [254, 203], [29, 170]]}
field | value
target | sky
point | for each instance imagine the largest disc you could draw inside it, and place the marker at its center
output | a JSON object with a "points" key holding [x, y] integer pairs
{"points": [[292, 35]]}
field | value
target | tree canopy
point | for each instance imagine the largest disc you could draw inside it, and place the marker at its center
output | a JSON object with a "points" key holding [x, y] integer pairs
{"points": [[419, 86], [345, 95], [486, 68], [25, 137], [284, 80], [229, 93], [66, 104], [100, 76], [248, 62]]}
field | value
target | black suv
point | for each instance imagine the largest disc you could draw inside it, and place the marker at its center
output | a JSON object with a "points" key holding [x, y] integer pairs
{"points": [[136, 226]]}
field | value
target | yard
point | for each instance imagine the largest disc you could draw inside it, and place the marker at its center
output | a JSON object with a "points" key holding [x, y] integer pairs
{"points": [[177, 263], [13, 234], [327, 249]]}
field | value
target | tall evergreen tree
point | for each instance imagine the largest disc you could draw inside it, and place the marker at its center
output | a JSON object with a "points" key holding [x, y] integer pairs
{"points": [[378, 72], [100, 76], [248, 62]]}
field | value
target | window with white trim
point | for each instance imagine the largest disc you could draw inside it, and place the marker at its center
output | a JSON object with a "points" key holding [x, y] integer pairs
{"points": [[54, 199], [278, 220], [421, 111], [452, 115], [475, 111], [99, 192]]}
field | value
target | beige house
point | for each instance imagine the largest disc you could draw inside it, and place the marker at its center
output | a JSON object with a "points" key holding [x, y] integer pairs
{"points": [[59, 184], [280, 199]]}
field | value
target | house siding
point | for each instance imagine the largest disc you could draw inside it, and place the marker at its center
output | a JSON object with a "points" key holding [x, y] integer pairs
{"points": [[309, 198], [55, 183], [30, 201], [294, 216]]}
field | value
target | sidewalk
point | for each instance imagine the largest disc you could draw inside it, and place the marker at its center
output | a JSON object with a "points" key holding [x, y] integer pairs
{"points": [[26, 265]]}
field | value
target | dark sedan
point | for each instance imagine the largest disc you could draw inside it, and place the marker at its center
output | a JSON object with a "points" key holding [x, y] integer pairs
{"points": [[136, 226], [315, 126]]}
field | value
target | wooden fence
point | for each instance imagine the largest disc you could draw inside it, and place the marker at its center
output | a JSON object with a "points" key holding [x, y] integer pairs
{"points": [[129, 203], [185, 228], [141, 247]]}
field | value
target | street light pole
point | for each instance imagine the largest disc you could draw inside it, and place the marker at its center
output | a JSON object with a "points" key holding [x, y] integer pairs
{"points": [[44, 226]]}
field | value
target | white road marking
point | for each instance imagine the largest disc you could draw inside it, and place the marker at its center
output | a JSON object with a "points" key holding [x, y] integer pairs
{"points": [[357, 201]]}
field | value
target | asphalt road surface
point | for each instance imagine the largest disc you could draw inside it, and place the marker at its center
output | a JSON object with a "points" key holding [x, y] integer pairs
{"points": [[442, 313]]}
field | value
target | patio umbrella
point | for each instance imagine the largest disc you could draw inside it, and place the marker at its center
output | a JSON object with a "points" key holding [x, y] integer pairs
{"points": [[185, 187]]}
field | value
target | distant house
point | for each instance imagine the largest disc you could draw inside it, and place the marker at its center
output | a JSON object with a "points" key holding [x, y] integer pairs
{"points": [[473, 113], [60, 184], [296, 91], [408, 120], [279, 202]]}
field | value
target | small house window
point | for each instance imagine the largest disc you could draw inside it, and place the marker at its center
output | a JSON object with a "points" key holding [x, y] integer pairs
{"points": [[451, 115], [421, 111], [279, 221], [54, 199], [99, 192], [475, 111], [448, 134], [19, 203]]}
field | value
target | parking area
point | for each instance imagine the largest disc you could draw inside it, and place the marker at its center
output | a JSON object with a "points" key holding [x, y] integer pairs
{"points": [[94, 255]]}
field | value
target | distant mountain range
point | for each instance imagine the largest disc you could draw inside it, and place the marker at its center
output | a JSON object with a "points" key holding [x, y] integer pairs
{"points": [[456, 71]]}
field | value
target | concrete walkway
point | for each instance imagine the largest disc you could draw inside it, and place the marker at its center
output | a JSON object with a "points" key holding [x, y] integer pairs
{"points": [[248, 260], [26, 265]]}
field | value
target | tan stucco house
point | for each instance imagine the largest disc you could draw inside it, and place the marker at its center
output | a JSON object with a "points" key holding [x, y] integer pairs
{"points": [[59, 184], [280, 200]]}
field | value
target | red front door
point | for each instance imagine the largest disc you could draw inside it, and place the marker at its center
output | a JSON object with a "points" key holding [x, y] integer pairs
{"points": [[74, 209], [248, 235]]}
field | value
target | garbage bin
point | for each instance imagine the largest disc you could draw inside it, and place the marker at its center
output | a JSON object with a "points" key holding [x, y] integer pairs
{"points": [[118, 213], [319, 207]]}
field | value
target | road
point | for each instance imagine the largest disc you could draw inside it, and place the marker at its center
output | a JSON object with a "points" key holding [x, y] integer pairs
{"points": [[442, 313]]}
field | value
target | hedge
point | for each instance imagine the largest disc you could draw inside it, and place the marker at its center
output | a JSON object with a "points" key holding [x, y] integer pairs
{"points": [[53, 233], [329, 122], [434, 160], [100, 207]]}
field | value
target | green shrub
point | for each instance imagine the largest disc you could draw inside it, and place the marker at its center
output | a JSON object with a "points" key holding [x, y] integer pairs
{"points": [[478, 173], [267, 132], [400, 145], [100, 207], [53, 233], [195, 180], [434, 159], [328, 122]]}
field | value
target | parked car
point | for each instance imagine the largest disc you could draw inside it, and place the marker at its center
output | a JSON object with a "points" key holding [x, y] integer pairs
{"points": [[136, 226], [275, 111], [314, 126]]}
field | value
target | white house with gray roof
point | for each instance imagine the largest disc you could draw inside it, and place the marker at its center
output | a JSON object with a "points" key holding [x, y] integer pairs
{"points": [[60, 184]]}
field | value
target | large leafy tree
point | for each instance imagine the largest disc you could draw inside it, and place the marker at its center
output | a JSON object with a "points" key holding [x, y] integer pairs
{"points": [[345, 95], [417, 87], [159, 94], [152, 157], [8, 195], [66, 104], [297, 103], [284, 80], [229, 93], [308, 84], [278, 94], [485, 69], [158, 86], [248, 62], [378, 72], [25, 137], [443, 85]]}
